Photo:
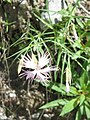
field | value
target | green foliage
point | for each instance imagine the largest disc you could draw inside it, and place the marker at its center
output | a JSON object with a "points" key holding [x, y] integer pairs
{"points": [[68, 43], [80, 96], [9, 1], [54, 103], [69, 106]]}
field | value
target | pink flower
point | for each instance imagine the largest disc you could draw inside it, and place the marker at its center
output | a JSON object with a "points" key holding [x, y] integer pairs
{"points": [[37, 69]]}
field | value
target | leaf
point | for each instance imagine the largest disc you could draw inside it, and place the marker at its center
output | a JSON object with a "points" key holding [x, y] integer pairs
{"points": [[82, 109], [82, 99], [87, 109], [87, 43], [83, 80], [80, 23], [69, 106], [73, 91], [10, 1], [77, 54], [58, 62], [78, 115], [77, 44], [61, 88], [63, 12], [80, 112], [54, 103], [43, 21]]}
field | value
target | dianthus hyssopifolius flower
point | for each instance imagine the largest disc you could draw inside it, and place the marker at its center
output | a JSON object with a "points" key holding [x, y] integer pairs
{"points": [[33, 68]]}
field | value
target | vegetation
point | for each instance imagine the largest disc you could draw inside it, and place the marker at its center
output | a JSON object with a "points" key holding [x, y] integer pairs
{"points": [[24, 31]]}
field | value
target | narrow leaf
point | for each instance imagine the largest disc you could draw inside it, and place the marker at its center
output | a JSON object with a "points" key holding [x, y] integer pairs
{"points": [[87, 109], [69, 106], [43, 21], [80, 23], [54, 103], [78, 115], [61, 88], [82, 99]]}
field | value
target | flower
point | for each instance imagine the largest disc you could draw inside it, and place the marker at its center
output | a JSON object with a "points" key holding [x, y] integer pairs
{"points": [[68, 78], [20, 64], [37, 68]]}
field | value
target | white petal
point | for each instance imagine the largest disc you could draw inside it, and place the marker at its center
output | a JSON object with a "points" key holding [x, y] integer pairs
{"points": [[28, 74], [41, 76], [43, 60], [28, 62], [67, 87], [48, 69], [45, 70], [41, 68]]}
